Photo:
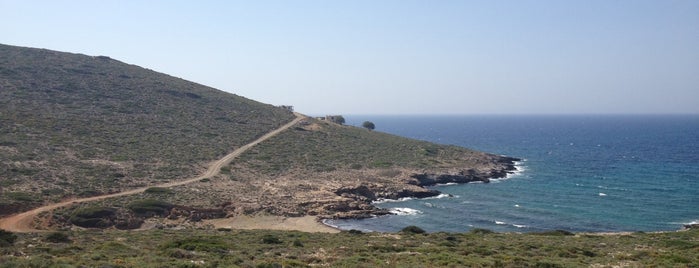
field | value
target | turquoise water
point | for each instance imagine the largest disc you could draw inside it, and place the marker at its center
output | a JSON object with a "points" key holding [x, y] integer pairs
{"points": [[580, 173]]}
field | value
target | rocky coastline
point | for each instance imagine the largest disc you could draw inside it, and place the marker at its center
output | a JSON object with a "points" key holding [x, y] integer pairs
{"points": [[352, 200], [363, 196]]}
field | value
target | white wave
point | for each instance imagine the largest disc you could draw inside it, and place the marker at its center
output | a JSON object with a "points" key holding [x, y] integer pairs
{"points": [[327, 222], [386, 200], [445, 184], [439, 196], [514, 225], [684, 223], [520, 168], [602, 194], [517, 205], [405, 211]]}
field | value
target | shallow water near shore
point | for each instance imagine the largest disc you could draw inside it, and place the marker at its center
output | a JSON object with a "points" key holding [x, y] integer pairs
{"points": [[581, 173]]}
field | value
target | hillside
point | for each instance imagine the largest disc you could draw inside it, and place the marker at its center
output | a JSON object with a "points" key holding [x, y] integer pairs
{"points": [[75, 126]]}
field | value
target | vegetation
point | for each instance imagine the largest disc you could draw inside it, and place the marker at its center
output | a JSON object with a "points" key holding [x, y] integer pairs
{"points": [[150, 207], [91, 217], [7, 238], [158, 190], [328, 147], [412, 229], [57, 237], [368, 125], [337, 119], [75, 125], [241, 248]]}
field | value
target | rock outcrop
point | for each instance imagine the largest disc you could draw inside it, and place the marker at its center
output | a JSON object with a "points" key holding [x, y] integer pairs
{"points": [[362, 195]]}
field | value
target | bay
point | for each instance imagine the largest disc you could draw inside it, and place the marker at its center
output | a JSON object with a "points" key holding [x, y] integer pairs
{"points": [[591, 173]]}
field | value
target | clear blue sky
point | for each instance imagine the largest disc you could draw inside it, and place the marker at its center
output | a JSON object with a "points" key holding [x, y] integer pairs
{"points": [[395, 57]]}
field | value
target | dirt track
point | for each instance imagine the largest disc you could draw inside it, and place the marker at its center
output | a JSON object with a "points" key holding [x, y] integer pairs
{"points": [[22, 222]]}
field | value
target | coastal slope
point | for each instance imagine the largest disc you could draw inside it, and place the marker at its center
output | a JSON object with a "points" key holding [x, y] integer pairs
{"points": [[75, 126]]}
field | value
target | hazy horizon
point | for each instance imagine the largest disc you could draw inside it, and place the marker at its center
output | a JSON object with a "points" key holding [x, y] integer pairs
{"points": [[396, 57]]}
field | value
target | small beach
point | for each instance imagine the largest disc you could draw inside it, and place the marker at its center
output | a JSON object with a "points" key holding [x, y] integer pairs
{"points": [[268, 222]]}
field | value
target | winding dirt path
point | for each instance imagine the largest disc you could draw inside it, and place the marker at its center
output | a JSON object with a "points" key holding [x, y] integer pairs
{"points": [[22, 222]]}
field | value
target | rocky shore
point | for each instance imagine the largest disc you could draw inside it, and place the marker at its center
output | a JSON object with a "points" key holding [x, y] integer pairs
{"points": [[342, 194], [360, 197]]}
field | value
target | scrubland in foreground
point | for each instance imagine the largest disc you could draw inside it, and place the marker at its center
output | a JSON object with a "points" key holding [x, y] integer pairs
{"points": [[264, 248]]}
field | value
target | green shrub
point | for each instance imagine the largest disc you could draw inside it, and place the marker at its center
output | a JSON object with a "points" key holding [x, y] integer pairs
{"points": [[412, 229], [57, 237], [271, 239], [298, 243], [554, 233], [92, 217], [226, 170], [355, 232], [205, 244], [7, 238], [21, 196], [480, 231], [158, 190], [150, 206]]}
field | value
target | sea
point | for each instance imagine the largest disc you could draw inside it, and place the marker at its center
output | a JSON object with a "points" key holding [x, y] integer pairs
{"points": [[579, 173]]}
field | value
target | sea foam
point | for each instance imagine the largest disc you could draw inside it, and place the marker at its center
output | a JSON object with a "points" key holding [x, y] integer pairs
{"points": [[405, 211]]}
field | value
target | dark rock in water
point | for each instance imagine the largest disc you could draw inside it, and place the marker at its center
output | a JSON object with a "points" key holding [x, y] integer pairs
{"points": [[509, 163], [694, 226], [429, 179], [506, 166], [423, 193], [363, 194]]}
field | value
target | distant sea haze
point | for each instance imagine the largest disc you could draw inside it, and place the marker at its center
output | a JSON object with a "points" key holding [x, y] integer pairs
{"points": [[580, 173]]}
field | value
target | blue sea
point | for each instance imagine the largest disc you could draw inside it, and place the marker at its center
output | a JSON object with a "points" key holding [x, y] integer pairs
{"points": [[581, 173]]}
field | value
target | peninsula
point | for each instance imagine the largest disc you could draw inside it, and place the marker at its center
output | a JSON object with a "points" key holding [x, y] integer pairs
{"points": [[96, 143]]}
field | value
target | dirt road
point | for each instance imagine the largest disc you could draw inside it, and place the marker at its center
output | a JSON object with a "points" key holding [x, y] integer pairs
{"points": [[23, 222]]}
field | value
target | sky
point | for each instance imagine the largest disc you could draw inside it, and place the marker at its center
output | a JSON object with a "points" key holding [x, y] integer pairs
{"points": [[395, 57]]}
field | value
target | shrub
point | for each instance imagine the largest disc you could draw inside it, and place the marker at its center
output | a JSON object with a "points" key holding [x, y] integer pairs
{"points": [[92, 217], [271, 239], [150, 206], [355, 232], [554, 233], [158, 190], [298, 243], [21, 196], [205, 244], [413, 230], [57, 237], [480, 231], [7, 238]]}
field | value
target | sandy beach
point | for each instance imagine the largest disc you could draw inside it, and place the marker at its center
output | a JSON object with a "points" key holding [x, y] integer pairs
{"points": [[268, 222]]}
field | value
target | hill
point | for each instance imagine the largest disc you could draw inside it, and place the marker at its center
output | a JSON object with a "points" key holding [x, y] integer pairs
{"points": [[75, 126]]}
